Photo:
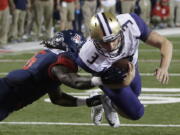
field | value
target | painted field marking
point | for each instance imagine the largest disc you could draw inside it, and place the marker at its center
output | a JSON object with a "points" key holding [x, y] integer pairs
{"points": [[86, 124], [156, 50], [157, 60], [140, 60], [5, 51], [163, 90], [152, 74], [142, 74], [146, 99], [30, 50], [12, 60]]}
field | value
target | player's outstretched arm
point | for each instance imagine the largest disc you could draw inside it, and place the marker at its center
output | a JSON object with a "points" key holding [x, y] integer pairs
{"points": [[166, 47], [63, 99], [73, 79]]}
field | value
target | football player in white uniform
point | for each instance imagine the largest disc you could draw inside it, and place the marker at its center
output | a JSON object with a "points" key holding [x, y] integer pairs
{"points": [[114, 38]]}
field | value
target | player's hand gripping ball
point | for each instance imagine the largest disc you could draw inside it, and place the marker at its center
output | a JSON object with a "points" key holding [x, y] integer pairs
{"points": [[119, 75]]}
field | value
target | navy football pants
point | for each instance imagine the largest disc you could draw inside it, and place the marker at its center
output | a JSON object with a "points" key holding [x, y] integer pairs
{"points": [[126, 99], [4, 97]]}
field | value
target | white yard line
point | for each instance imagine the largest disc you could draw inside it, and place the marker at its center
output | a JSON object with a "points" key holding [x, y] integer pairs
{"points": [[147, 98], [169, 31], [3, 73], [153, 95], [86, 124], [142, 74], [164, 90], [16, 53], [151, 74], [156, 50], [140, 60], [157, 60], [12, 60], [12, 52], [143, 96]]}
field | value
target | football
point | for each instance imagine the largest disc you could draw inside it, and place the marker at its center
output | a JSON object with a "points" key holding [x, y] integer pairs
{"points": [[122, 65], [128, 70]]}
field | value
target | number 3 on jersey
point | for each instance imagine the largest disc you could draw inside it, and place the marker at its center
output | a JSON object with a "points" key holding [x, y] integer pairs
{"points": [[93, 58]]}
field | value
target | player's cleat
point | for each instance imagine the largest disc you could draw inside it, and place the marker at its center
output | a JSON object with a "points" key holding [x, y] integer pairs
{"points": [[96, 112], [110, 114]]}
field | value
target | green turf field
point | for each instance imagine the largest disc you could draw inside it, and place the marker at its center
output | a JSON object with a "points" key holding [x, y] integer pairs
{"points": [[161, 116]]}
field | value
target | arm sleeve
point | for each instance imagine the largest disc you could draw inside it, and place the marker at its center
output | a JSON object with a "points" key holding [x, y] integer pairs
{"points": [[65, 61], [143, 28]]}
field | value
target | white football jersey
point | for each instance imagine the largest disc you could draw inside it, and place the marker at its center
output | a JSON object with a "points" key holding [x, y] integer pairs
{"points": [[133, 28]]}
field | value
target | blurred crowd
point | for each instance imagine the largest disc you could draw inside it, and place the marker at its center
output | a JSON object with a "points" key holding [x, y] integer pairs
{"points": [[30, 20]]}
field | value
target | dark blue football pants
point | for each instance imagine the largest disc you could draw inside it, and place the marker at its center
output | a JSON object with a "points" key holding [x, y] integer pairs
{"points": [[126, 99], [4, 97]]}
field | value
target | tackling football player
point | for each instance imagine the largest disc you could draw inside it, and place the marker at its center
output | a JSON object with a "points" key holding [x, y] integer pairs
{"points": [[44, 73]]}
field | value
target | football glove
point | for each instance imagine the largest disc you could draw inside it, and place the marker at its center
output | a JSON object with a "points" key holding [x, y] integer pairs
{"points": [[115, 78], [56, 42], [93, 101], [113, 75]]}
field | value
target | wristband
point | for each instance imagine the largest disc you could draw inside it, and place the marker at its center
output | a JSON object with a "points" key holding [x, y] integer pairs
{"points": [[96, 81]]}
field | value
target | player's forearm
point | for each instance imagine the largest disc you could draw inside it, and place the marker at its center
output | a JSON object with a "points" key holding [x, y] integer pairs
{"points": [[75, 81], [67, 100], [165, 46], [64, 100], [80, 82], [166, 54]]}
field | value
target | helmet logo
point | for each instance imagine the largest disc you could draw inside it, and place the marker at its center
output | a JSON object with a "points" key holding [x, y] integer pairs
{"points": [[76, 38]]}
